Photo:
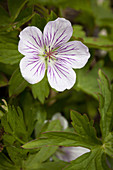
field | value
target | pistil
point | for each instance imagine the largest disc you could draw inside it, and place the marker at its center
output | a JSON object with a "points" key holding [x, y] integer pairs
{"points": [[50, 54]]}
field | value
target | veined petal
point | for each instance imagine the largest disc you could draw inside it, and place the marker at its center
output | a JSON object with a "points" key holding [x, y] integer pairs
{"points": [[68, 154], [62, 119], [31, 41], [60, 76], [32, 68], [73, 53], [57, 32]]}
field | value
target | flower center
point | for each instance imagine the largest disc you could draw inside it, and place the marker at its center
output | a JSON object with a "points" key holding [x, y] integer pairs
{"points": [[49, 54]]}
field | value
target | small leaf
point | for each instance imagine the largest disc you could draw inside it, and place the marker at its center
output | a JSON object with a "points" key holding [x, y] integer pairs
{"points": [[41, 90], [38, 21], [78, 31], [52, 16]]}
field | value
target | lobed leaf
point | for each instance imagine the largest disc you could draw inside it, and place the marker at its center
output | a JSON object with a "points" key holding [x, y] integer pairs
{"points": [[84, 128], [105, 105]]}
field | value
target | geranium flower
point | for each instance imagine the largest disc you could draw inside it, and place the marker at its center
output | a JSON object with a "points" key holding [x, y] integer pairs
{"points": [[67, 154], [51, 51]]}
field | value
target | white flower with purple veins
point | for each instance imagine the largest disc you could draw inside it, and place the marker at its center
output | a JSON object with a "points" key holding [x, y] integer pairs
{"points": [[51, 51], [68, 154]]}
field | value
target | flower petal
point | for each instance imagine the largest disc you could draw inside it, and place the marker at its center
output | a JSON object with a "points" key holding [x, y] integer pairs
{"points": [[60, 77], [31, 41], [32, 69], [57, 32], [62, 119], [68, 154], [73, 53]]}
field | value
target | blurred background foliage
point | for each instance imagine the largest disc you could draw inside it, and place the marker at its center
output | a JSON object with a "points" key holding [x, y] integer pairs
{"points": [[92, 22]]}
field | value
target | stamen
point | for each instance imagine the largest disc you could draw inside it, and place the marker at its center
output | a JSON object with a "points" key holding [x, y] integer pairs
{"points": [[50, 54], [49, 49]]}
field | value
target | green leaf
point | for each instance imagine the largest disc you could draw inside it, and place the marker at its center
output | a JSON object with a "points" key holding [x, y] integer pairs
{"points": [[103, 14], [78, 31], [77, 5], [83, 77], [14, 125], [41, 90], [15, 7], [18, 24], [38, 21], [1, 132], [17, 154], [30, 107], [84, 128], [57, 139], [8, 48], [108, 144], [9, 53], [105, 105], [8, 138], [90, 161], [5, 163], [48, 166], [33, 161], [54, 125], [17, 84], [41, 117], [3, 80], [10, 37], [85, 74], [7, 69], [1, 114], [52, 16], [5, 19], [101, 42]]}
